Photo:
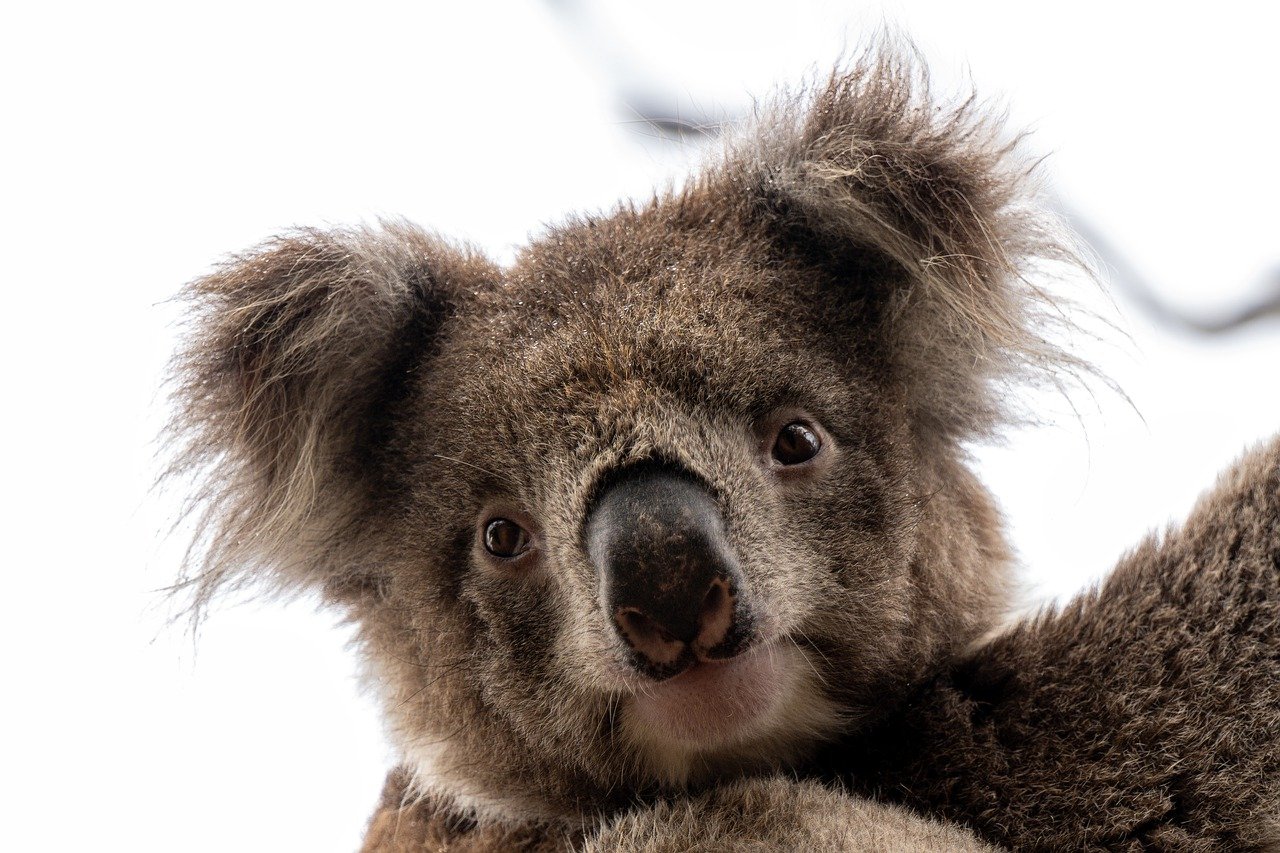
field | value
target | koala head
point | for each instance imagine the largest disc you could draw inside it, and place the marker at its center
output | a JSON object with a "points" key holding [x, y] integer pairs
{"points": [[681, 492]]}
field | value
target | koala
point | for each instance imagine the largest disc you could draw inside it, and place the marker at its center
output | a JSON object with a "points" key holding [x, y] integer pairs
{"points": [[664, 537]]}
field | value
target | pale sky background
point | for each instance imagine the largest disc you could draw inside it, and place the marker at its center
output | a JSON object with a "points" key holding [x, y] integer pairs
{"points": [[142, 142]]}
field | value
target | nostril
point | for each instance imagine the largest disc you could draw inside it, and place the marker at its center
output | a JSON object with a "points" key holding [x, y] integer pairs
{"points": [[647, 637], [669, 580], [715, 617], [714, 601]]}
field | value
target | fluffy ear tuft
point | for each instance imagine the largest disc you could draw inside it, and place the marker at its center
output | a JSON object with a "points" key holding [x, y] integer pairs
{"points": [[297, 354], [869, 165]]}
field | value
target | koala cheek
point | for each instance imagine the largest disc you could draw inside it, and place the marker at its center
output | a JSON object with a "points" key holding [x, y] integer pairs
{"points": [[516, 624]]}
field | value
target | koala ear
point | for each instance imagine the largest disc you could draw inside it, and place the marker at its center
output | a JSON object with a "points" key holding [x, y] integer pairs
{"points": [[298, 354], [925, 214]]}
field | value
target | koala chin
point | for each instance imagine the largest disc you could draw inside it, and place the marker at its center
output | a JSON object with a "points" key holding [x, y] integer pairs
{"points": [[763, 709], [679, 496]]}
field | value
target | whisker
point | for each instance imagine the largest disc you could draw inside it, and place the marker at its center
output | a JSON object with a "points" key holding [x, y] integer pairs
{"points": [[469, 465], [816, 673]]}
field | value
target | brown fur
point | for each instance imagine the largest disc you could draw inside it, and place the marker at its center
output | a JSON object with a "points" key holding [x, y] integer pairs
{"points": [[1143, 716], [405, 824], [357, 401], [779, 815], [770, 814]]}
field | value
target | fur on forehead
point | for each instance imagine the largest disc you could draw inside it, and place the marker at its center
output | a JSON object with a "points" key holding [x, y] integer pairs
{"points": [[862, 211], [919, 214]]}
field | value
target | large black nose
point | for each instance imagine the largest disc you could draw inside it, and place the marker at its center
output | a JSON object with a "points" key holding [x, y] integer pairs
{"points": [[669, 581]]}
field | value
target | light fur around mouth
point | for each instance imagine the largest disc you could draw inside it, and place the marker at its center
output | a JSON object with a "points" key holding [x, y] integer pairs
{"points": [[762, 709]]}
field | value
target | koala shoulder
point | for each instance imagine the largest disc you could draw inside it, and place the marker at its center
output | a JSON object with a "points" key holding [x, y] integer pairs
{"points": [[1145, 712]]}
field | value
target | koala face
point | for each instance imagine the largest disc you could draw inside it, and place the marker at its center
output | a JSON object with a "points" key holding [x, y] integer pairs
{"points": [[669, 536], [680, 494]]}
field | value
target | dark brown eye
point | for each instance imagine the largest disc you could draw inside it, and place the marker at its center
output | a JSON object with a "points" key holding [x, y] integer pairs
{"points": [[796, 443], [504, 538]]}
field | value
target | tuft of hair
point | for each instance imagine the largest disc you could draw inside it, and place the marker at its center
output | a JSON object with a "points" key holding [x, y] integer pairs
{"points": [[294, 357], [871, 163]]}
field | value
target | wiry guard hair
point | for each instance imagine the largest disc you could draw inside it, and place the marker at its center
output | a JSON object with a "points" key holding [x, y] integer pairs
{"points": [[872, 163], [297, 353], [925, 214], [359, 406]]}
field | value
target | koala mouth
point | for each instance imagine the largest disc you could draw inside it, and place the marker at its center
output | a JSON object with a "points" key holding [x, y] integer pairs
{"points": [[714, 685], [714, 703]]}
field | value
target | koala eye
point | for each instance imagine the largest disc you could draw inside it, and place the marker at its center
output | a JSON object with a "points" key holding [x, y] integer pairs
{"points": [[505, 539], [796, 443]]}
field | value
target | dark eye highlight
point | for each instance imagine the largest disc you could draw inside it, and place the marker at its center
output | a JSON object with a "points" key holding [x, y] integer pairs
{"points": [[505, 539], [796, 444]]}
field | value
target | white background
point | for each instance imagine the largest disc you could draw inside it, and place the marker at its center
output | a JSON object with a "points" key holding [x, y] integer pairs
{"points": [[140, 143]]}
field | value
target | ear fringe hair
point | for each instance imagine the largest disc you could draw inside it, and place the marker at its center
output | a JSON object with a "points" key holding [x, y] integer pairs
{"points": [[870, 159], [287, 350]]}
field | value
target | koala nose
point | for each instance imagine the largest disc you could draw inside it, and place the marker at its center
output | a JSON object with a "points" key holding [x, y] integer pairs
{"points": [[668, 579]]}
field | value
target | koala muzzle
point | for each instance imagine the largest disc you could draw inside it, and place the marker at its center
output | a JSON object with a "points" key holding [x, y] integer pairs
{"points": [[669, 580]]}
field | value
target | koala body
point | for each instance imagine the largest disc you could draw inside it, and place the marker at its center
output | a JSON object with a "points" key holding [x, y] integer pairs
{"points": [[677, 499]]}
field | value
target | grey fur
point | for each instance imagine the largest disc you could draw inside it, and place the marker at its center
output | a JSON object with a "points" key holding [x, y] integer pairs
{"points": [[360, 401]]}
